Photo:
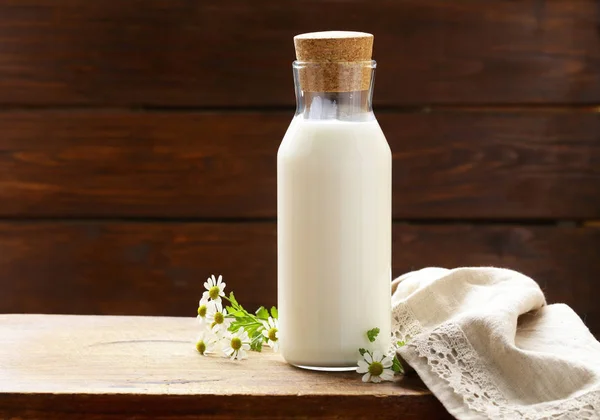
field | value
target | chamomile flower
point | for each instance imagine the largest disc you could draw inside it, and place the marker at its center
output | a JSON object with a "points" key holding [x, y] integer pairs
{"points": [[271, 333], [206, 343], [376, 367], [237, 345], [203, 306], [214, 288], [216, 317]]}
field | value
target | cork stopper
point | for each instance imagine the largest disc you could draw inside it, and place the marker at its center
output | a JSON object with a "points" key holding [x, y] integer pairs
{"points": [[334, 46], [334, 61]]}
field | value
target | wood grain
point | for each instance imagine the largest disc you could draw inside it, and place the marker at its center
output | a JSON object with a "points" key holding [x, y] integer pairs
{"points": [[159, 268], [448, 165], [146, 367], [239, 53]]}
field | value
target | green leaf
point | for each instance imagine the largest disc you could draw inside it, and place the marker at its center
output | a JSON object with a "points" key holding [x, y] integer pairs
{"points": [[397, 366], [401, 343], [362, 351], [372, 334], [262, 313], [274, 312], [257, 340], [232, 300], [236, 313], [256, 346]]}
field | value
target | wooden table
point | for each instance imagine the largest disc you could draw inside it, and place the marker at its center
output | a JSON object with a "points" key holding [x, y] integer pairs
{"points": [[109, 367]]}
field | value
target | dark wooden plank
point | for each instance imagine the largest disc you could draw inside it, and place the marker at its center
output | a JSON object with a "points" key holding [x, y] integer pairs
{"points": [[131, 269], [139, 368], [158, 269], [239, 53], [505, 166], [449, 165], [139, 164], [29, 406]]}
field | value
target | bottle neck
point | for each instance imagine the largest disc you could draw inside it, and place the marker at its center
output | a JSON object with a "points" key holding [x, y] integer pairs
{"points": [[334, 91]]}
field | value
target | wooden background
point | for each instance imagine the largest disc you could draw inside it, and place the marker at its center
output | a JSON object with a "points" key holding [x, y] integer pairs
{"points": [[138, 142]]}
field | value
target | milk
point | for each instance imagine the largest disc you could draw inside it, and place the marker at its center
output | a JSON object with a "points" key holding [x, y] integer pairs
{"points": [[334, 241]]}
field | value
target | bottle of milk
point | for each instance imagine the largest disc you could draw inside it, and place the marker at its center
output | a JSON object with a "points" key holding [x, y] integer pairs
{"points": [[334, 208]]}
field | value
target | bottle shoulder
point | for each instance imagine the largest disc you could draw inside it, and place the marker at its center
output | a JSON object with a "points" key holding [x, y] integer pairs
{"points": [[334, 137]]}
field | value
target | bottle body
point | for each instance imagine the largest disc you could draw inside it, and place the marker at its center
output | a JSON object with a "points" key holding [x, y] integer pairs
{"points": [[334, 238]]}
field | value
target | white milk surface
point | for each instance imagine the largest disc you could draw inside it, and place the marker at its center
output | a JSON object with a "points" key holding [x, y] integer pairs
{"points": [[334, 240]]}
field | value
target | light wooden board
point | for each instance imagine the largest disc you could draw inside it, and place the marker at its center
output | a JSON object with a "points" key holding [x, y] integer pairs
{"points": [[58, 366]]}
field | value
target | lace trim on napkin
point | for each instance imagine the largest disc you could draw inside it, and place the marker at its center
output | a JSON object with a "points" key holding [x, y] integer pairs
{"points": [[452, 358], [405, 324]]}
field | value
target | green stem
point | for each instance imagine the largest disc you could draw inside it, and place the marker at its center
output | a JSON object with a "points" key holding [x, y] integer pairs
{"points": [[239, 308]]}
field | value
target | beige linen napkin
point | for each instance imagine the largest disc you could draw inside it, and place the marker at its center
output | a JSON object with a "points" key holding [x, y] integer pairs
{"points": [[485, 343]]}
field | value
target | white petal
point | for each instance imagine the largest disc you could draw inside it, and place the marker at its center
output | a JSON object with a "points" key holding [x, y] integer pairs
{"points": [[242, 354], [275, 346], [265, 333], [220, 279], [368, 358], [387, 375], [387, 362], [363, 364], [366, 377], [375, 379], [362, 369], [206, 285], [377, 356]]}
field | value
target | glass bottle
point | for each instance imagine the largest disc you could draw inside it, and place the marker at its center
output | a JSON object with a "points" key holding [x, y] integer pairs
{"points": [[334, 208]]}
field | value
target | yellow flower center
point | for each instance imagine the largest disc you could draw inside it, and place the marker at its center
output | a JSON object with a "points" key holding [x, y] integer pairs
{"points": [[273, 334], [214, 292], [236, 343], [376, 368], [219, 318], [201, 347], [202, 310]]}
